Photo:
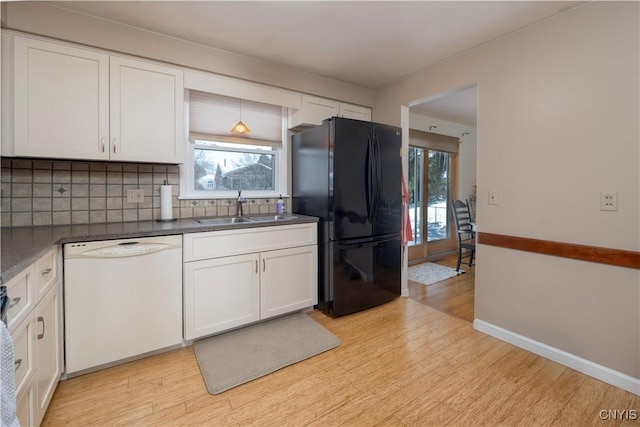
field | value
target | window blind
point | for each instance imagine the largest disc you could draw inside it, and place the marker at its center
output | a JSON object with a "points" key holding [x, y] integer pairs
{"points": [[433, 141], [211, 118]]}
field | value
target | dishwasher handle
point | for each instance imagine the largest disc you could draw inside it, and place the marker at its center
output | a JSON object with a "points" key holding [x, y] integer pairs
{"points": [[120, 250]]}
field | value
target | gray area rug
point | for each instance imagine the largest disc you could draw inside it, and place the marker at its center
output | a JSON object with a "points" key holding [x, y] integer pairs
{"points": [[429, 273], [237, 357]]}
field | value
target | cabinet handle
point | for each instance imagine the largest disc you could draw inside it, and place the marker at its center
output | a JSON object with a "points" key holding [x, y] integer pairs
{"points": [[45, 272], [114, 145], [256, 266], [264, 266], [102, 140], [41, 319], [17, 364], [14, 302]]}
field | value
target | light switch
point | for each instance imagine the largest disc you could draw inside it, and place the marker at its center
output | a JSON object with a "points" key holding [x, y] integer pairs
{"points": [[493, 197]]}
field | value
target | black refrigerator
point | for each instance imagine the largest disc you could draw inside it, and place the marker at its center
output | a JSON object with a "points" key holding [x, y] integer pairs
{"points": [[348, 173]]}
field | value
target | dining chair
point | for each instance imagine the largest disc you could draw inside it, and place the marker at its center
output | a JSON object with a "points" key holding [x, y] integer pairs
{"points": [[466, 234]]}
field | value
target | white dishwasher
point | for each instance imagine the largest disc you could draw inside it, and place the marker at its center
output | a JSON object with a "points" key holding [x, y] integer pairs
{"points": [[122, 299]]}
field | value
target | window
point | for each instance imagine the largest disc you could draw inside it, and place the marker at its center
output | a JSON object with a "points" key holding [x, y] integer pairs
{"points": [[220, 163], [227, 167]]}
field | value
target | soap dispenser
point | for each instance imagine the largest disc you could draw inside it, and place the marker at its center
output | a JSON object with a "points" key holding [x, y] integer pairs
{"points": [[280, 205]]}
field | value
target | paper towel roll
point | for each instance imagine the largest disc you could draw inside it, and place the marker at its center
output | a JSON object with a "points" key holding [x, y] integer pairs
{"points": [[166, 204]]}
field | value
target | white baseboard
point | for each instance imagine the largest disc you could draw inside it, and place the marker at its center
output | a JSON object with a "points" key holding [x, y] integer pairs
{"points": [[602, 373]]}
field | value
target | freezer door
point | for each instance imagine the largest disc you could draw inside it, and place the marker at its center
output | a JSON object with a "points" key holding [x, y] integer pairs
{"points": [[363, 275]]}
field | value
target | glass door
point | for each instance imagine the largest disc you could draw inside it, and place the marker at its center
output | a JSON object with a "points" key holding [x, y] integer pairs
{"points": [[431, 185]]}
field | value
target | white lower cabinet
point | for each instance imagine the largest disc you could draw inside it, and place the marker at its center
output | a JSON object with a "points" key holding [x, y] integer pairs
{"points": [[37, 338], [221, 293], [229, 291], [48, 348], [26, 406], [289, 280]]}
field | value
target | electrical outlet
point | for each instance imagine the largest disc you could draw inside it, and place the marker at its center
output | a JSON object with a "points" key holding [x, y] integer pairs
{"points": [[609, 201], [493, 197], [135, 196]]}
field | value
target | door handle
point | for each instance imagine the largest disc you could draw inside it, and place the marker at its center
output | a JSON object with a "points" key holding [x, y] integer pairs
{"points": [[14, 302], [264, 265], [17, 364], [41, 319], [45, 272], [256, 266], [113, 144], [103, 145]]}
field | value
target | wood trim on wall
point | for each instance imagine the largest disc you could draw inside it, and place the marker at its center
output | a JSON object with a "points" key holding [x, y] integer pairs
{"points": [[617, 257]]}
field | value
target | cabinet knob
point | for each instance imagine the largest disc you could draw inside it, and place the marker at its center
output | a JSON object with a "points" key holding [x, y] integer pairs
{"points": [[17, 364], [45, 272]]}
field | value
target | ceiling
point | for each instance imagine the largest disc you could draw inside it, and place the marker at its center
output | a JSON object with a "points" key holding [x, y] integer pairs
{"points": [[366, 43]]}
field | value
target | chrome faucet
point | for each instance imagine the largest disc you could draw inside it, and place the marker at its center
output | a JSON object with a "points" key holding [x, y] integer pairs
{"points": [[239, 203]]}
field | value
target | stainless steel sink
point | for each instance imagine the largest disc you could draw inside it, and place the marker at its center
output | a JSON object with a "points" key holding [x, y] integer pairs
{"points": [[222, 221], [271, 218]]}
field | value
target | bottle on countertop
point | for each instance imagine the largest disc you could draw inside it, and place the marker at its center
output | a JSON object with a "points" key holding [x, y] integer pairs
{"points": [[280, 205]]}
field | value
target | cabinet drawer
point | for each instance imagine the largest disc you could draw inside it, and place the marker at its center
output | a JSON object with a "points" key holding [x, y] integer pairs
{"points": [[20, 293], [45, 274], [217, 244], [23, 341]]}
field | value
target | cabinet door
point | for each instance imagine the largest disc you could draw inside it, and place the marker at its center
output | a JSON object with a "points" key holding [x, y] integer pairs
{"points": [[24, 340], [289, 280], [146, 112], [314, 110], [357, 112], [26, 406], [220, 293], [48, 349], [61, 101]]}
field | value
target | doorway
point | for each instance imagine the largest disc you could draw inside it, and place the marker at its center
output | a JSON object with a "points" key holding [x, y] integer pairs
{"points": [[454, 114], [432, 185]]}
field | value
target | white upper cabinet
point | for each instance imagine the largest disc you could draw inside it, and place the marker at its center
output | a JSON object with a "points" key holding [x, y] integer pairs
{"points": [[61, 101], [76, 103], [146, 110], [349, 111], [314, 110]]}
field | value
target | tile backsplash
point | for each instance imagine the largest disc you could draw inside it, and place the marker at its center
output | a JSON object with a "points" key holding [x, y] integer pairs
{"points": [[44, 192]]}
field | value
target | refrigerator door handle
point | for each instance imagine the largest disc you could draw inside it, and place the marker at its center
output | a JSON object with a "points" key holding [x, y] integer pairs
{"points": [[368, 178], [377, 166], [361, 243]]}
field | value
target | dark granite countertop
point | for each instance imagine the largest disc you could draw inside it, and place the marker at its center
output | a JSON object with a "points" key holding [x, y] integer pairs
{"points": [[20, 246]]}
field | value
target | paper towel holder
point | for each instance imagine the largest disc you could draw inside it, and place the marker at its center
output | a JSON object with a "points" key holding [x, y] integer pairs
{"points": [[165, 183]]}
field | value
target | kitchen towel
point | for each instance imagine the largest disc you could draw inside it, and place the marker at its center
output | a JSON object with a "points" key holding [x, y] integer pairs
{"points": [[166, 208], [7, 380], [407, 232]]}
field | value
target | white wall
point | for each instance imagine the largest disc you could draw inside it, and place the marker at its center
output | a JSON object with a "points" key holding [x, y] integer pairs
{"points": [[558, 122]]}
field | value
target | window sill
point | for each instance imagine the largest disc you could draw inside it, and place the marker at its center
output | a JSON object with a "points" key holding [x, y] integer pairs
{"points": [[234, 195]]}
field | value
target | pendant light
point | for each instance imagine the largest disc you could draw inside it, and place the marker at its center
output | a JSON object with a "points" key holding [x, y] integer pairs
{"points": [[240, 128]]}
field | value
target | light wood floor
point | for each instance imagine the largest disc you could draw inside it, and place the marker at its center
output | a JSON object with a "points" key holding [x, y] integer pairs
{"points": [[454, 296], [400, 364]]}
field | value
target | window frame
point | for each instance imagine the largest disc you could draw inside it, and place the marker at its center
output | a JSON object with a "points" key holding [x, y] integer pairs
{"points": [[187, 178]]}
